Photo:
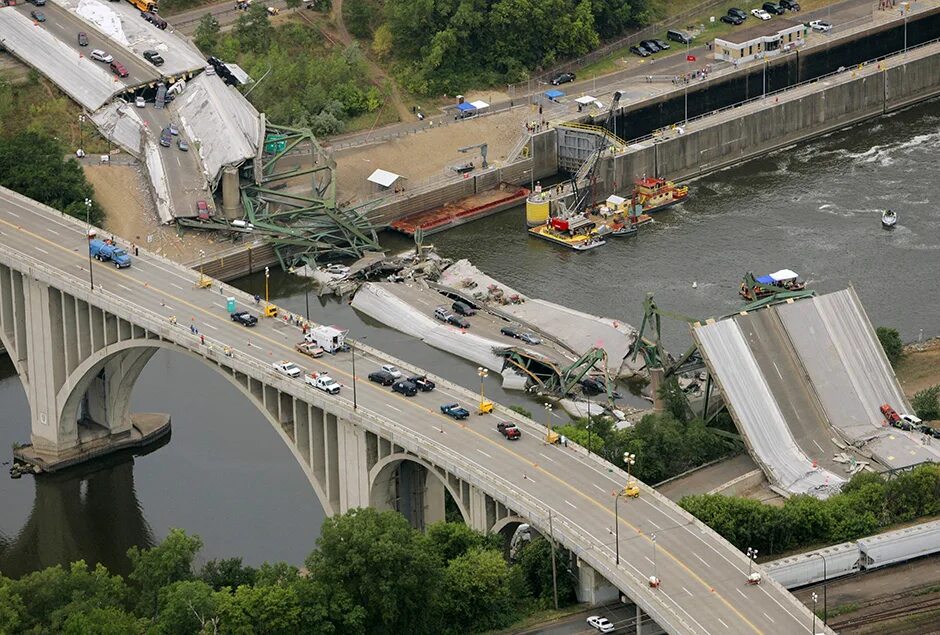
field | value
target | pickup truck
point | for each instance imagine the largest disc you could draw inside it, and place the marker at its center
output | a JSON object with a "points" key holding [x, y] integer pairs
{"points": [[509, 430], [107, 250], [244, 318], [308, 348], [455, 410], [290, 369], [423, 383], [322, 381]]}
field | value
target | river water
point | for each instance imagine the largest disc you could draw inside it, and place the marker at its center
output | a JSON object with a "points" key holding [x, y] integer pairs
{"points": [[225, 475]]}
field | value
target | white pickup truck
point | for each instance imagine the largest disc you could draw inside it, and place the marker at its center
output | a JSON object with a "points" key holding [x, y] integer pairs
{"points": [[323, 382]]}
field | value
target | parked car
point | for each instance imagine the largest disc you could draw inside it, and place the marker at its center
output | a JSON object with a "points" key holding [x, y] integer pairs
{"points": [[889, 414], [790, 5], [731, 19], [511, 331], [244, 318], [737, 12], [166, 138], [392, 370], [530, 338], [662, 44], [82, 38], [140, 102], [173, 129], [459, 321], [563, 78], [38, 16], [760, 14], [100, 56], [204, 213], [381, 377], [675, 35], [442, 314], [153, 57], [640, 50], [118, 69], [182, 145], [405, 387], [322, 381], [38, 3], [154, 19], [509, 430], [290, 369], [463, 308], [423, 383], [650, 46], [455, 410], [820, 26], [915, 421], [773, 8], [600, 623]]}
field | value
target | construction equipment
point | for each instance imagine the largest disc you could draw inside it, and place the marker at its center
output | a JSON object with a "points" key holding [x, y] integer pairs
{"points": [[590, 167], [482, 147]]}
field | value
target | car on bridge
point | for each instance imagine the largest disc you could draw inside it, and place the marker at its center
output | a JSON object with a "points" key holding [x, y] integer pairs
{"points": [[392, 370], [423, 383], [153, 57], [382, 377], [509, 430], [455, 410], [244, 318], [510, 331], [166, 138], [118, 69], [82, 38], [322, 381], [530, 338], [290, 369], [405, 387], [309, 348], [182, 144], [100, 56], [463, 308], [602, 624], [38, 16]]}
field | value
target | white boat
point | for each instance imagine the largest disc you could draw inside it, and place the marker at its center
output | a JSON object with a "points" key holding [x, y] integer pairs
{"points": [[889, 219]]}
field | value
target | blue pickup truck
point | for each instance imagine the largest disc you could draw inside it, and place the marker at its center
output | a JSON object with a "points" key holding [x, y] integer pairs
{"points": [[455, 410], [107, 250]]}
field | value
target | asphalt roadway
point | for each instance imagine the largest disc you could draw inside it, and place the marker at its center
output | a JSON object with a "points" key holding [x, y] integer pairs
{"points": [[65, 26], [704, 580]]}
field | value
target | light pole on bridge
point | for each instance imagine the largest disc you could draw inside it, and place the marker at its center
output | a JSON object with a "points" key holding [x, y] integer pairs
{"points": [[815, 599], [548, 422], [629, 459], [91, 234], [352, 349], [751, 557]]}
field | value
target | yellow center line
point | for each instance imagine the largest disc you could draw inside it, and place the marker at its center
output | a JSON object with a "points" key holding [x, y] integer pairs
{"points": [[492, 442]]}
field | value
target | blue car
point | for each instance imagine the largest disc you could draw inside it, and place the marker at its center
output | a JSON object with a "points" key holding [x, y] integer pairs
{"points": [[455, 410]]}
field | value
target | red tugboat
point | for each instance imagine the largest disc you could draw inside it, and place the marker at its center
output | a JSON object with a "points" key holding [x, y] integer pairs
{"points": [[655, 194]]}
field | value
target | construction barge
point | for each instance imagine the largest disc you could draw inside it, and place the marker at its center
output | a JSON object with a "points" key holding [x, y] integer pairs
{"points": [[462, 211]]}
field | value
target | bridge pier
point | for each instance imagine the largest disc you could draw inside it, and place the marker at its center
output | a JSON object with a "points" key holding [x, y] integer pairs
{"points": [[594, 588]]}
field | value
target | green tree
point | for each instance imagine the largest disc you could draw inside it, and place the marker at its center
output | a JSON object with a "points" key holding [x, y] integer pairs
{"points": [[102, 621], [359, 16], [377, 561], [207, 33], [451, 540], [293, 4], [480, 592], [229, 572], [382, 42], [535, 567], [186, 606], [926, 403], [583, 437], [891, 343], [12, 609], [272, 609], [48, 179], [155, 568], [253, 30]]}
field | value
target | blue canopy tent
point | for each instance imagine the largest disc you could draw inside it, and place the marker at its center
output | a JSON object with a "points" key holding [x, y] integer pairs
{"points": [[466, 110], [554, 94]]}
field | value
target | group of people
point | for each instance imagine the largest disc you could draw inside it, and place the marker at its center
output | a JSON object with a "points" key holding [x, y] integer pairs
{"points": [[701, 73]]}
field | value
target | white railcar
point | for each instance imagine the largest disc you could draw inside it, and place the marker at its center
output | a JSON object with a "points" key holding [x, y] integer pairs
{"points": [[902, 544], [808, 568]]}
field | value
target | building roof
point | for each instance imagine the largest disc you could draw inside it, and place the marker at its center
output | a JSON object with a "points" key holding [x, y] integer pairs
{"points": [[767, 27]]}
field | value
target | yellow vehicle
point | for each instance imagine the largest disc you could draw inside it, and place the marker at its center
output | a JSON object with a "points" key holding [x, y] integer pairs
{"points": [[145, 5], [270, 310], [631, 490], [204, 282], [552, 437], [486, 407]]}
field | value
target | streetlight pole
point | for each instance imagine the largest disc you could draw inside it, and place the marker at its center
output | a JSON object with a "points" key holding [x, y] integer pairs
{"points": [[482, 373], [751, 557], [688, 44], [629, 459], [202, 260], [81, 135], [91, 234], [815, 599], [352, 349], [764, 60], [589, 427], [307, 300], [267, 274], [653, 537], [617, 526], [548, 421], [825, 585]]}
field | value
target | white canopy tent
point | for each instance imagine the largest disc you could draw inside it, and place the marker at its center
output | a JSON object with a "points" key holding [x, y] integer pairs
{"points": [[479, 105], [587, 99], [384, 178]]}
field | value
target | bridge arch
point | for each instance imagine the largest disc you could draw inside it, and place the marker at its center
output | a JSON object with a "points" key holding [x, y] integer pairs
{"points": [[126, 360], [395, 484]]}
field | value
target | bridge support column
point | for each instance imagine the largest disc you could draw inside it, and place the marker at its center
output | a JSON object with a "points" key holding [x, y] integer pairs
{"points": [[433, 500], [231, 204], [594, 588], [354, 473], [657, 378]]}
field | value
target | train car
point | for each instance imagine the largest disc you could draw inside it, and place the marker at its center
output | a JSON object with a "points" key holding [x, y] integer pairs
{"points": [[808, 568], [900, 545]]}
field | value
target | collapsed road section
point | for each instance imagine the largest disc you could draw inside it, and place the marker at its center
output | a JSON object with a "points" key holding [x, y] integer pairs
{"points": [[805, 382]]}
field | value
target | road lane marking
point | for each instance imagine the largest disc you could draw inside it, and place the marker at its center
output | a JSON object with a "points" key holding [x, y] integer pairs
{"points": [[209, 326], [654, 524], [687, 591], [570, 503], [52, 231], [547, 457], [779, 374], [13, 214], [742, 593], [520, 457], [391, 407], [600, 488], [40, 249], [769, 618], [173, 284], [649, 560], [723, 622], [702, 559], [484, 453], [124, 286]]}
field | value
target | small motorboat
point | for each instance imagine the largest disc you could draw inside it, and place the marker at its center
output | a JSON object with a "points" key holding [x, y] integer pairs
{"points": [[889, 218]]}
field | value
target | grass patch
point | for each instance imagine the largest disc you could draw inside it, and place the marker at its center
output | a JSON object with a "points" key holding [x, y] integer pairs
{"points": [[537, 618], [927, 591], [844, 609]]}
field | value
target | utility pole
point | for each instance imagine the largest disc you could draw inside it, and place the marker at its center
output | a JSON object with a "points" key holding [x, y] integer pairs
{"points": [[551, 534], [91, 235]]}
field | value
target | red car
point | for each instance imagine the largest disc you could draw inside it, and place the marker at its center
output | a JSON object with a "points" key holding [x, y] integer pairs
{"points": [[509, 430], [118, 69], [893, 417], [202, 210]]}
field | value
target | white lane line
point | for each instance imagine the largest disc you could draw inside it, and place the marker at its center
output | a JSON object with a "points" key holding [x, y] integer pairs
{"points": [[484, 453], [600, 488], [173, 284], [166, 306], [654, 524], [209, 326], [547, 457], [13, 213], [527, 477], [52, 231], [40, 249], [124, 286], [391, 407], [778, 371], [687, 591], [701, 559], [818, 446], [769, 618], [441, 430], [742, 593], [570, 503], [723, 622], [649, 560], [221, 306]]}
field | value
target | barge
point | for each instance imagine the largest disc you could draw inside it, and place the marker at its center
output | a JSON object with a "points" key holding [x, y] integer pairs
{"points": [[462, 211]]}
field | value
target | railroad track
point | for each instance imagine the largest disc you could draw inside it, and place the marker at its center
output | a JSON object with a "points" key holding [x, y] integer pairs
{"points": [[888, 613]]}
